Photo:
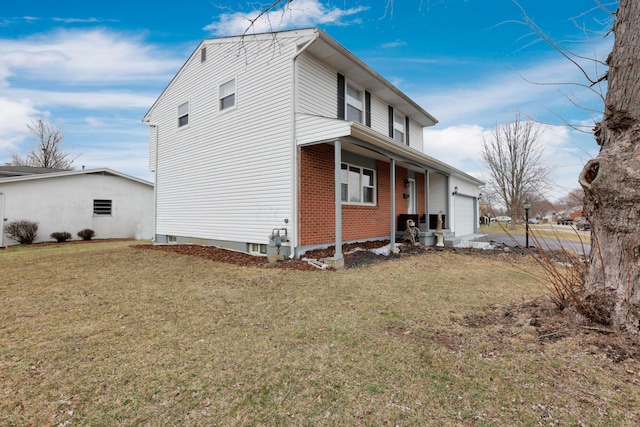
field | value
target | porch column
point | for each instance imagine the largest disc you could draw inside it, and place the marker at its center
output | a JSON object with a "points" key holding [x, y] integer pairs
{"points": [[426, 199], [337, 261], [393, 204]]}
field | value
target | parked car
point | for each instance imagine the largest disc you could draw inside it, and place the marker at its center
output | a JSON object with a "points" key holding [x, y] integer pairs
{"points": [[533, 221], [503, 218], [564, 221], [583, 225]]}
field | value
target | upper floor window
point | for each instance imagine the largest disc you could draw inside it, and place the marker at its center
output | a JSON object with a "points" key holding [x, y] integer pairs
{"points": [[228, 94], [358, 185], [355, 104], [203, 54], [183, 114], [399, 127]]}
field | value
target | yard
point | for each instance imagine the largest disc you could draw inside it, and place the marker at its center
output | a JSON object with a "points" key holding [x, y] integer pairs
{"points": [[114, 334]]}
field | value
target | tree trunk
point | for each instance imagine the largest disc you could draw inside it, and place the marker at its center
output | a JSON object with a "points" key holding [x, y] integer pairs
{"points": [[611, 183]]}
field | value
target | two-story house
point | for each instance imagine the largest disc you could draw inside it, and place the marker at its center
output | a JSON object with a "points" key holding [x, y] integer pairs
{"points": [[289, 130]]}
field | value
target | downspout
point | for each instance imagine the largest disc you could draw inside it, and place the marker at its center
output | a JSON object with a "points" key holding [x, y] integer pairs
{"points": [[295, 165], [156, 137], [155, 185]]}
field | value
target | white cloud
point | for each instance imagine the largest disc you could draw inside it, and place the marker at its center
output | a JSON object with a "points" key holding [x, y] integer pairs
{"points": [[73, 75], [458, 146], [13, 121], [461, 147], [498, 96], [394, 44], [302, 13], [88, 99], [95, 56]]}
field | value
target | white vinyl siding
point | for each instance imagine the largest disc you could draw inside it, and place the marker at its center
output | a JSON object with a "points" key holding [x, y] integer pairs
{"points": [[438, 194], [230, 177], [317, 96], [379, 116], [317, 88], [415, 136]]}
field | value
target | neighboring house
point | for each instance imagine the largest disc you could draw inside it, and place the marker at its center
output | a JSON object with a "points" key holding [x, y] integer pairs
{"points": [[112, 204], [6, 171], [290, 130]]}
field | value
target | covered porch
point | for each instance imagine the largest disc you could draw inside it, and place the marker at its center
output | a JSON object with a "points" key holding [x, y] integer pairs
{"points": [[354, 189]]}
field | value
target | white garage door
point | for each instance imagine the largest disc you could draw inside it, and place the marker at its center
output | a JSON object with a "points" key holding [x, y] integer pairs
{"points": [[465, 215]]}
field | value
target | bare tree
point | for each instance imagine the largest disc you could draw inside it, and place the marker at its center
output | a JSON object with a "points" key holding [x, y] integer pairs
{"points": [[513, 155], [48, 152], [611, 182], [572, 199]]}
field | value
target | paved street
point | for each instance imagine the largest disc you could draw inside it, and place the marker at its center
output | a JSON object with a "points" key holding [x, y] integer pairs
{"points": [[550, 243]]}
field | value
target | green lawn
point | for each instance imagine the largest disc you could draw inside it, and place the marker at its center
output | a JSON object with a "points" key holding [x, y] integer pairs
{"points": [[106, 334]]}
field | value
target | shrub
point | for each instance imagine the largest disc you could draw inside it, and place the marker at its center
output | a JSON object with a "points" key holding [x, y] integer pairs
{"points": [[22, 231], [61, 236], [86, 234]]}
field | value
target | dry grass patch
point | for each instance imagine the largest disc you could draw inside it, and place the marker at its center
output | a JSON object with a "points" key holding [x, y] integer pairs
{"points": [[107, 334]]}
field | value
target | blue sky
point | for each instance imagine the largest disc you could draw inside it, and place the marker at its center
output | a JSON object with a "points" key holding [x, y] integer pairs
{"points": [[97, 67]]}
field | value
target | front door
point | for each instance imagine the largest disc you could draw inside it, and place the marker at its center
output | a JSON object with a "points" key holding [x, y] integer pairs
{"points": [[412, 208]]}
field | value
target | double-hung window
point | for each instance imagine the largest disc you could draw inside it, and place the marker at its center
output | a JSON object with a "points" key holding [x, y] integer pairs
{"points": [[355, 104], [183, 114], [399, 127], [228, 95], [358, 185]]}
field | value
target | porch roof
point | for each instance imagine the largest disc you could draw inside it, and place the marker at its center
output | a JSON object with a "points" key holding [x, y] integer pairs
{"points": [[361, 135]]}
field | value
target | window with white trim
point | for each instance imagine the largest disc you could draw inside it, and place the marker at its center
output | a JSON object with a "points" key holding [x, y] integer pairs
{"points": [[355, 103], [358, 185], [228, 95], [183, 114], [257, 249], [398, 127], [101, 207]]}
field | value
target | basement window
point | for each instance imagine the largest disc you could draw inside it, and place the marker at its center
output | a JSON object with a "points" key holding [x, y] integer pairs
{"points": [[101, 207], [257, 249]]}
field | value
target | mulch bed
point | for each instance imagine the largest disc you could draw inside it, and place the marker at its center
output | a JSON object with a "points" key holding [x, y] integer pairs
{"points": [[352, 258]]}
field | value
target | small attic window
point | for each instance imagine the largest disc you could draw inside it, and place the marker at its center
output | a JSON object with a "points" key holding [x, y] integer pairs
{"points": [[203, 54]]}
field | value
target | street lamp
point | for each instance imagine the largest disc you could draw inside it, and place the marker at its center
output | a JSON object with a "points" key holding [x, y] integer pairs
{"points": [[526, 206]]}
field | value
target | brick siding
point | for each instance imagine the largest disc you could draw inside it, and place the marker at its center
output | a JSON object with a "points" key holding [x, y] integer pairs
{"points": [[317, 202]]}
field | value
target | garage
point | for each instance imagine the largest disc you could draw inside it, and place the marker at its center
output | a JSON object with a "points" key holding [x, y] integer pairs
{"points": [[464, 215]]}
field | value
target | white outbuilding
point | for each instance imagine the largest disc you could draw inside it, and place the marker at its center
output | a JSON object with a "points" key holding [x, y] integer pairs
{"points": [[112, 204]]}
